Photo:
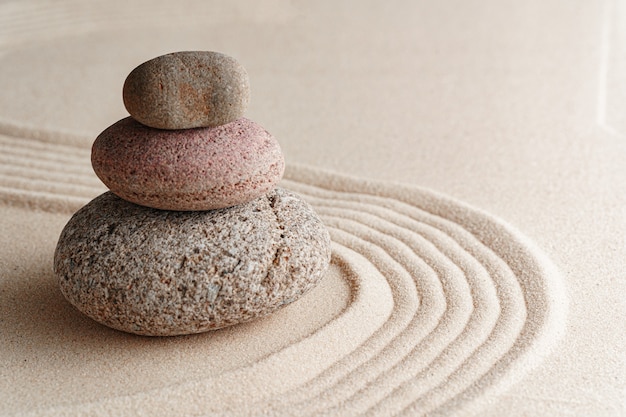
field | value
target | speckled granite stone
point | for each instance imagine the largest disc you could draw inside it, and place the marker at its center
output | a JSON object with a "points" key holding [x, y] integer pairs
{"points": [[154, 272], [190, 89], [191, 169]]}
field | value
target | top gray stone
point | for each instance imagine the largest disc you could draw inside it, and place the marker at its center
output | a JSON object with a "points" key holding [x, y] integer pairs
{"points": [[183, 90]]}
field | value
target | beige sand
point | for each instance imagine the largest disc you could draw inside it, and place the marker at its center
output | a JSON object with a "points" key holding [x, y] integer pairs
{"points": [[432, 306]]}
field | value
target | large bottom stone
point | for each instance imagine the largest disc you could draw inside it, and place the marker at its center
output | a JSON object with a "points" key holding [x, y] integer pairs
{"points": [[161, 273]]}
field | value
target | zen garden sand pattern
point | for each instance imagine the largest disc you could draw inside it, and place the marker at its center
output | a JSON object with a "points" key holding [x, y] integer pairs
{"points": [[446, 302], [466, 159]]}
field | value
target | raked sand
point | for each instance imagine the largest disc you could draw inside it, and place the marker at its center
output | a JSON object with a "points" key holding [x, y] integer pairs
{"points": [[466, 158]]}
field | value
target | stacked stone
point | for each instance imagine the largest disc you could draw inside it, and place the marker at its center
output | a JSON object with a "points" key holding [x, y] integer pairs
{"points": [[193, 235]]}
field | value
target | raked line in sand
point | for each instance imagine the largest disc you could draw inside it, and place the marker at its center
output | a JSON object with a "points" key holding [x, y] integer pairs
{"points": [[449, 304]]}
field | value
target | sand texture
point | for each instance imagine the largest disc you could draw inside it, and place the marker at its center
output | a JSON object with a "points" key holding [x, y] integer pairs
{"points": [[464, 306], [467, 158]]}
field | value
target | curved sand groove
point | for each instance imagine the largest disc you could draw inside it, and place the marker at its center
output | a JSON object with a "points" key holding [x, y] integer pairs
{"points": [[514, 266], [476, 307], [450, 304], [488, 301], [48, 176]]}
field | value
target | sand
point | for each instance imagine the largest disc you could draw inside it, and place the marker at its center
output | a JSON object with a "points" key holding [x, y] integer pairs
{"points": [[467, 159]]}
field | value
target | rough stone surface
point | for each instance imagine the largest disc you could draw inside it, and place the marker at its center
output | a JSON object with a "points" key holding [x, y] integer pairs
{"points": [[162, 273], [183, 90], [192, 169]]}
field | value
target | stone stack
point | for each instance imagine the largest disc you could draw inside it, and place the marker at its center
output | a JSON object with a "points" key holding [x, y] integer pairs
{"points": [[194, 235]]}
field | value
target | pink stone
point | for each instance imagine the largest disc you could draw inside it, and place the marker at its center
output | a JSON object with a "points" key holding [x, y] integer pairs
{"points": [[190, 169]]}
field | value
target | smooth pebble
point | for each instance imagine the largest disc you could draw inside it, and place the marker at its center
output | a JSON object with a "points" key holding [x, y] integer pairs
{"points": [[189, 89]]}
